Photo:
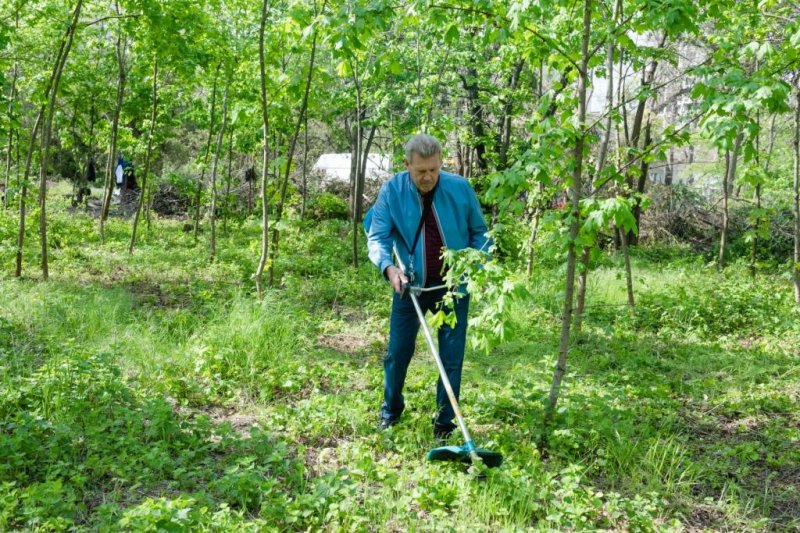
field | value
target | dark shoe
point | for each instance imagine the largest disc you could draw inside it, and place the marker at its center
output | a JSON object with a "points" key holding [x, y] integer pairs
{"points": [[442, 432], [386, 423]]}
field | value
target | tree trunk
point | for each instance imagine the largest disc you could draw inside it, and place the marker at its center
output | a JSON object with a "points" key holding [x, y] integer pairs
{"points": [[360, 178], [476, 118], [355, 166], [148, 206], [305, 169], [24, 188], [228, 181], [756, 228], [603, 155], [217, 154], [796, 142], [505, 120], [199, 192], [633, 236], [11, 102], [112, 151], [147, 155], [90, 154], [730, 176], [609, 95], [628, 272], [290, 157], [622, 136], [582, 280], [648, 75], [364, 160], [46, 130], [669, 169], [437, 88], [575, 192], [536, 218], [757, 195], [250, 198], [262, 261]]}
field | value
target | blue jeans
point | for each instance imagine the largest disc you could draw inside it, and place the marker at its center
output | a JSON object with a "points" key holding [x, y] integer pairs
{"points": [[403, 328]]}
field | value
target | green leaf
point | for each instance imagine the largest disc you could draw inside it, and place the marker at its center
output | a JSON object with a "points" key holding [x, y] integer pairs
{"points": [[343, 69], [452, 34]]}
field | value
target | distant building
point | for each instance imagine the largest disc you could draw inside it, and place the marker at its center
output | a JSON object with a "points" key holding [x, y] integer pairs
{"points": [[336, 167], [694, 165]]}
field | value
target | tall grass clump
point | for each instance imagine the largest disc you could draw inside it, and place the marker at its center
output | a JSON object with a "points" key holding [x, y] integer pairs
{"points": [[711, 305], [250, 348]]}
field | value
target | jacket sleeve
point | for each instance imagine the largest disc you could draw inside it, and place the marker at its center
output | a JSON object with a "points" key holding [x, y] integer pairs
{"points": [[477, 225], [379, 233]]}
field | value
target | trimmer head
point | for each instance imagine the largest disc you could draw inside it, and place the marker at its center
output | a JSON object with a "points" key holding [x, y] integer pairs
{"points": [[461, 454]]}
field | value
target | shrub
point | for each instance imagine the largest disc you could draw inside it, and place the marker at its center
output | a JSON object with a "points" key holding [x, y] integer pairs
{"points": [[716, 305], [327, 206], [174, 195]]}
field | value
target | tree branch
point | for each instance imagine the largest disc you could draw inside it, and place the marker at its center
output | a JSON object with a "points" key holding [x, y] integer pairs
{"points": [[110, 17], [655, 88], [635, 158], [543, 38]]}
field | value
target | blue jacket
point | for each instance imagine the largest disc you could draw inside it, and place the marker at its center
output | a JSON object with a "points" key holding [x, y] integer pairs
{"points": [[393, 221]]}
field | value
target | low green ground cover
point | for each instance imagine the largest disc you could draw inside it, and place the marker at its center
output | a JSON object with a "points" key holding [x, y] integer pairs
{"points": [[153, 392]]}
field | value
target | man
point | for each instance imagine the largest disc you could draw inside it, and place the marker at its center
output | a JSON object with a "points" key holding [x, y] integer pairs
{"points": [[418, 213]]}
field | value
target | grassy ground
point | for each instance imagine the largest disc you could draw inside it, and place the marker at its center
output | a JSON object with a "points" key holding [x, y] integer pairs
{"points": [[153, 391]]}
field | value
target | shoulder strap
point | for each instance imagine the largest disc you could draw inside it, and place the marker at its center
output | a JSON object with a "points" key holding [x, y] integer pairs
{"points": [[425, 210]]}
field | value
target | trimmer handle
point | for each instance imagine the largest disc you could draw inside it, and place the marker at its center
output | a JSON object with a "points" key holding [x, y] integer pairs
{"points": [[405, 290]]}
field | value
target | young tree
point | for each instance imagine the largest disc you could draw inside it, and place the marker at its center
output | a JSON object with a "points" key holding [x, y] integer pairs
{"points": [[12, 129], [198, 199], [47, 130], [287, 167], [575, 198], [121, 53], [217, 155], [147, 156], [796, 194], [262, 261]]}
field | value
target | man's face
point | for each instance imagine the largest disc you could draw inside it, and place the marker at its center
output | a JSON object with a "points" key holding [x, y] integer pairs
{"points": [[424, 171]]}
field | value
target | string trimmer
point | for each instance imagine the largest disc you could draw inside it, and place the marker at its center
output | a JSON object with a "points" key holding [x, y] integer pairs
{"points": [[468, 452]]}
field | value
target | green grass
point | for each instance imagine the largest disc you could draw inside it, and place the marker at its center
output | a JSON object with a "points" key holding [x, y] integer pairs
{"points": [[154, 391]]}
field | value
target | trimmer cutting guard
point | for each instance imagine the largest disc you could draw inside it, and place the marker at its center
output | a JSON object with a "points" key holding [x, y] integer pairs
{"points": [[462, 454]]}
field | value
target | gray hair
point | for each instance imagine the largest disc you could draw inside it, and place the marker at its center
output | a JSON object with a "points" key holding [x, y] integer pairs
{"points": [[423, 145]]}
